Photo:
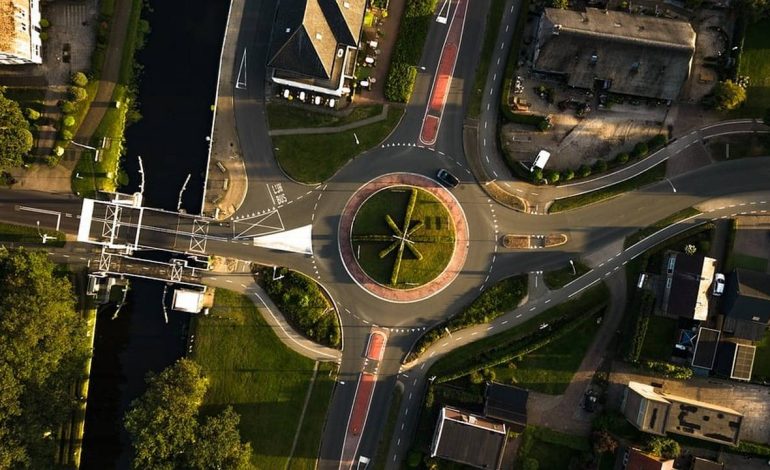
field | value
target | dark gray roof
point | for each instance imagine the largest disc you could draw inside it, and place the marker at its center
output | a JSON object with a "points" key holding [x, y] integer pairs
{"points": [[748, 296], [308, 33], [468, 439], [685, 283], [506, 403], [744, 329], [735, 360], [705, 348], [638, 55]]}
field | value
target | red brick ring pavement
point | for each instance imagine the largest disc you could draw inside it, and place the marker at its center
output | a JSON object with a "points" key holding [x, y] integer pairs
{"points": [[426, 290]]}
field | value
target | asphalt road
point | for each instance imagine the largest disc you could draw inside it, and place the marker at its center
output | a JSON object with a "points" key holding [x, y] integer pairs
{"points": [[595, 232]]}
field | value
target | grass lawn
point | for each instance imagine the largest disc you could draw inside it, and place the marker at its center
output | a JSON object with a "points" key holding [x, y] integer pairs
{"points": [[755, 63], [306, 452], [550, 368], [434, 241], [265, 382], [284, 116], [28, 235], [654, 174], [561, 277], [315, 158], [659, 339], [551, 449], [645, 232], [494, 17], [761, 369], [754, 263]]}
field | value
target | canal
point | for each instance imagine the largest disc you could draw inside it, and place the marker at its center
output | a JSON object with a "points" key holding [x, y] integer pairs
{"points": [[176, 91]]}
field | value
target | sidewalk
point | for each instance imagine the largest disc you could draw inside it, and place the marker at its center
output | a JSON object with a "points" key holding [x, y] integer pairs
{"points": [[332, 130]]}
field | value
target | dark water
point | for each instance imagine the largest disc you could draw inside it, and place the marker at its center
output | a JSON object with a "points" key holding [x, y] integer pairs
{"points": [[176, 92]]}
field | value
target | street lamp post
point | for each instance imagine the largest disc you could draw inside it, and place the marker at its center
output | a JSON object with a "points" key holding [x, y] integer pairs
{"points": [[572, 263]]}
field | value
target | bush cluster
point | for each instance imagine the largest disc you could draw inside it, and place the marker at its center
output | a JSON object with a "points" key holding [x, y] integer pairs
{"points": [[643, 304], [666, 369], [408, 49], [303, 304]]}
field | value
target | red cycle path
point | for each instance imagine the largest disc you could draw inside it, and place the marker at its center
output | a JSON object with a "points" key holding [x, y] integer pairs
{"points": [[435, 109]]}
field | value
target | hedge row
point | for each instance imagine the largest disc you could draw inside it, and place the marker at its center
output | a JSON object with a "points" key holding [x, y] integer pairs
{"points": [[642, 306], [493, 302], [408, 49], [668, 370], [303, 303]]}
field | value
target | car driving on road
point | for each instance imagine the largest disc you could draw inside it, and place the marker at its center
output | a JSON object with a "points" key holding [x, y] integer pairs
{"points": [[448, 179]]}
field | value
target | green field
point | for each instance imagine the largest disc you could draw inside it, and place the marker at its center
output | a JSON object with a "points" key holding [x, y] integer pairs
{"points": [[306, 452], [660, 338], [552, 449], [265, 382], [434, 240], [315, 158], [29, 235], [561, 277], [755, 63], [550, 368], [761, 369]]}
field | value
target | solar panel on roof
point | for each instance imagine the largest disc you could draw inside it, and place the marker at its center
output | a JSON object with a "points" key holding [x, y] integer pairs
{"points": [[744, 362]]}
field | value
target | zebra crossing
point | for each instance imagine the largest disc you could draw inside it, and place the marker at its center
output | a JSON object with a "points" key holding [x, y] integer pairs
{"points": [[76, 15]]}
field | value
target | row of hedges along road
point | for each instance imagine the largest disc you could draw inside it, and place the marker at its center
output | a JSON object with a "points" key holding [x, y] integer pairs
{"points": [[408, 49]]}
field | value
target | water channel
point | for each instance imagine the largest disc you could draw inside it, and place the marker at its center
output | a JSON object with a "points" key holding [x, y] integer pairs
{"points": [[176, 92]]}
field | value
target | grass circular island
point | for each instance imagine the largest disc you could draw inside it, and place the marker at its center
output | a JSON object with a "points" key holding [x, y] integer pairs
{"points": [[403, 237]]}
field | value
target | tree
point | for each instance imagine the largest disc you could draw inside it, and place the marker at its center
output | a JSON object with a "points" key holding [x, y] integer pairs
{"points": [[728, 95], [640, 149], [15, 137], [603, 442], [753, 9], [530, 463], [67, 107], [584, 171], [79, 79], [77, 93], [41, 352], [218, 444], [552, 176], [600, 166], [622, 158], [663, 447], [563, 4], [32, 114], [567, 174], [163, 421], [68, 121]]}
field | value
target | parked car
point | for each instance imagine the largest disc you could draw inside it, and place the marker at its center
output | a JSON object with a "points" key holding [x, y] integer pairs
{"points": [[448, 179], [719, 284]]}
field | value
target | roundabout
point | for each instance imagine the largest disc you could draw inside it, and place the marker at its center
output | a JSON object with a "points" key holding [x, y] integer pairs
{"points": [[403, 237]]}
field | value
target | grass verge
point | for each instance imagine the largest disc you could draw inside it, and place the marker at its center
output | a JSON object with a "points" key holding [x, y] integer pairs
{"points": [[29, 235], [284, 116], [313, 159], [250, 369], [645, 232], [493, 302], [659, 338], [303, 303], [306, 453], [494, 17], [752, 263], [561, 277], [654, 174], [551, 449]]}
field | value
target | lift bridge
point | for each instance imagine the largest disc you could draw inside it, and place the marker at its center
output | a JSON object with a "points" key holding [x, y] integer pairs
{"points": [[121, 225]]}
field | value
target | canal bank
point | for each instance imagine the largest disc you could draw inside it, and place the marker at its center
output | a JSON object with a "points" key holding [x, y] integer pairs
{"points": [[177, 83]]}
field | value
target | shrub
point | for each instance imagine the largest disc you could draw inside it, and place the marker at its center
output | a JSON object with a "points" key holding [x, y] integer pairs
{"points": [[641, 307], [32, 114], [584, 171], [537, 174], [44, 23], [65, 134], [400, 82], [77, 93], [79, 79], [44, 36], [622, 158], [530, 463], [414, 458], [640, 149], [567, 174], [600, 166], [67, 107], [68, 121], [728, 95], [552, 176], [663, 447], [672, 371], [657, 142]]}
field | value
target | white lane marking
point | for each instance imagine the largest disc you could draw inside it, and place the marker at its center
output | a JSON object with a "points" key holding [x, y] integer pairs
{"points": [[489, 328], [548, 300], [504, 322]]}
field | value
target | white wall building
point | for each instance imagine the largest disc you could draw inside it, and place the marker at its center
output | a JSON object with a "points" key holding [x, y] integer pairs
{"points": [[20, 41]]}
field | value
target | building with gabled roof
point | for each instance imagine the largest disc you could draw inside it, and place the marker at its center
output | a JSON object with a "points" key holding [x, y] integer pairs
{"points": [[615, 51], [506, 403], [687, 286], [746, 304], [20, 41], [314, 43], [468, 439]]}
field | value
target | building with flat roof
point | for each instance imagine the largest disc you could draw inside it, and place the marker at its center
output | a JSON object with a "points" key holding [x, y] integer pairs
{"points": [[735, 360], [656, 412], [314, 43], [20, 41], [468, 439], [506, 403], [615, 51], [687, 286], [705, 348]]}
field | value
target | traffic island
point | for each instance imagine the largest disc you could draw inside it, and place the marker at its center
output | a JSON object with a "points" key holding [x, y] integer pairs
{"points": [[403, 237], [531, 242]]}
